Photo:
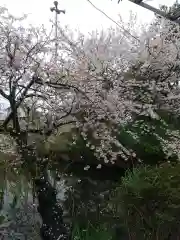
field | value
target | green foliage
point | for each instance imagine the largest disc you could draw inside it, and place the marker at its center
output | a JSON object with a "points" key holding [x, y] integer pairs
{"points": [[145, 137], [59, 143], [148, 202], [80, 150], [92, 233]]}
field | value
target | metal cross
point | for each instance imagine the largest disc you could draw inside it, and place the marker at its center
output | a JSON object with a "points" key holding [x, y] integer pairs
{"points": [[57, 11]]}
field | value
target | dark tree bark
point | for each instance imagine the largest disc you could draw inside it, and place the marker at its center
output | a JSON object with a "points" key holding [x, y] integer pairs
{"points": [[51, 212]]}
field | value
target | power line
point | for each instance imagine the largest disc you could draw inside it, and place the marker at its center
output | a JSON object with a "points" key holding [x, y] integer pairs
{"points": [[125, 30]]}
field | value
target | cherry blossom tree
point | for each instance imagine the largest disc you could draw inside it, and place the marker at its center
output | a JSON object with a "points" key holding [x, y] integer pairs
{"points": [[98, 82], [124, 79], [78, 85], [30, 78]]}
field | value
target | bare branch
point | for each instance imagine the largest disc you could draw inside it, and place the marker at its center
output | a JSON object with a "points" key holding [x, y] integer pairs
{"points": [[4, 94], [49, 132], [21, 99]]}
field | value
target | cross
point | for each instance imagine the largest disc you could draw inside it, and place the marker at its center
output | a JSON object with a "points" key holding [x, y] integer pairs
{"points": [[57, 11]]}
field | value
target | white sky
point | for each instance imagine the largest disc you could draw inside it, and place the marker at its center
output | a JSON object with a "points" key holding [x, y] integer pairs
{"points": [[79, 13]]}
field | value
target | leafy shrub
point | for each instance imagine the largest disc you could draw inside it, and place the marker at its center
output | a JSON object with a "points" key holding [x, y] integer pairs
{"points": [[92, 233], [148, 202], [144, 136], [81, 151]]}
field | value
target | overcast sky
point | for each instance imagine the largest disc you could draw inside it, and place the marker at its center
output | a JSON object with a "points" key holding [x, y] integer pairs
{"points": [[79, 13]]}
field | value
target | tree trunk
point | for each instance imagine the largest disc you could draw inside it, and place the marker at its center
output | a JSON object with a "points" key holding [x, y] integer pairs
{"points": [[51, 212]]}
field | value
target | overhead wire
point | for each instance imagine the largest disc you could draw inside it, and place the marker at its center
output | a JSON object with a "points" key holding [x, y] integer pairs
{"points": [[101, 11]]}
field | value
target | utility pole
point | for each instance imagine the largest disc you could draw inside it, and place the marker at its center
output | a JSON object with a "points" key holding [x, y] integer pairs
{"points": [[57, 11], [175, 17]]}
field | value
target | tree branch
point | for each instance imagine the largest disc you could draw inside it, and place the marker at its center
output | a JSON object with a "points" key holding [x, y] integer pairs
{"points": [[21, 99], [48, 132], [57, 85], [31, 95], [4, 94]]}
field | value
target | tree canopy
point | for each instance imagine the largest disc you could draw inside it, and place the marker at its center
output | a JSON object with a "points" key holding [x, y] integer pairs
{"points": [[101, 83]]}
